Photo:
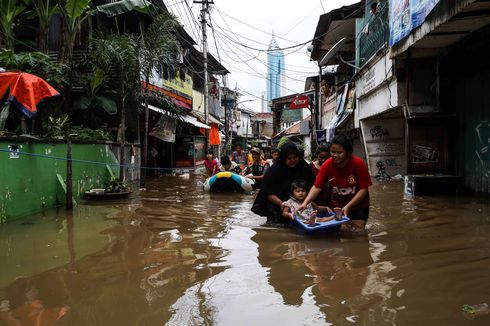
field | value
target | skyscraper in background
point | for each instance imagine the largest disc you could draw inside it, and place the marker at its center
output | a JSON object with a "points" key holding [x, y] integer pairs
{"points": [[275, 72]]}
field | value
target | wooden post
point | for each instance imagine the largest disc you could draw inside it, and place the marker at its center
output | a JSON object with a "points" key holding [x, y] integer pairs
{"points": [[69, 176]]}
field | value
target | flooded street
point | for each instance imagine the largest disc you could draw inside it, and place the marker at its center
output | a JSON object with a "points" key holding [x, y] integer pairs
{"points": [[175, 255]]}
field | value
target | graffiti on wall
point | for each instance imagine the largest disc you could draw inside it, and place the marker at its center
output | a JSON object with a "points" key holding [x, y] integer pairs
{"points": [[384, 141], [425, 154], [483, 134], [379, 132], [385, 165], [389, 148]]}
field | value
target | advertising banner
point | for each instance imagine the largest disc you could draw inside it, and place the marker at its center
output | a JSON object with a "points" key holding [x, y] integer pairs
{"points": [[164, 129], [406, 15], [321, 136]]}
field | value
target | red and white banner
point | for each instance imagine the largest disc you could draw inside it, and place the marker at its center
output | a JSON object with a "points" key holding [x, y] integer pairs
{"points": [[299, 102]]}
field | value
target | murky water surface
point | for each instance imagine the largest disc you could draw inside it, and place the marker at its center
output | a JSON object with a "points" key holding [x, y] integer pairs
{"points": [[175, 255]]}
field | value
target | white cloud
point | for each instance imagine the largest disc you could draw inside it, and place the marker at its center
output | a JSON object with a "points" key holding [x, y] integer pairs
{"points": [[251, 23]]}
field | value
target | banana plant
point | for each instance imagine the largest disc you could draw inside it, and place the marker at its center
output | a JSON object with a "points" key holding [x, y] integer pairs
{"points": [[44, 9], [96, 95], [9, 13], [74, 13]]}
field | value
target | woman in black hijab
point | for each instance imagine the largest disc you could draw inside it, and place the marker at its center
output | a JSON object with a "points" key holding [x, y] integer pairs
{"points": [[277, 182]]}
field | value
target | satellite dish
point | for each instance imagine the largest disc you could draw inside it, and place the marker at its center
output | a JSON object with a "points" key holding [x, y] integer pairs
{"points": [[333, 51]]}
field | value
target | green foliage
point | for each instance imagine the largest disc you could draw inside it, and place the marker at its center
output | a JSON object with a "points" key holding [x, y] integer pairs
{"points": [[74, 13], [282, 141], [44, 10], [96, 96], [158, 47], [91, 134], [61, 127], [35, 63], [117, 54], [10, 10], [116, 185], [58, 128]]}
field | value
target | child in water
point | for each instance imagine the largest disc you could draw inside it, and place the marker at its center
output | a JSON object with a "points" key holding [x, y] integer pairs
{"points": [[298, 195], [211, 164]]}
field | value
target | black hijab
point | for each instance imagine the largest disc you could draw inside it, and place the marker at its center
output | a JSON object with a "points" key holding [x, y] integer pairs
{"points": [[278, 178]]}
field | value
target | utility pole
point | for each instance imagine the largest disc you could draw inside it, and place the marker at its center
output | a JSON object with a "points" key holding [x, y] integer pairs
{"points": [[204, 12], [227, 118]]}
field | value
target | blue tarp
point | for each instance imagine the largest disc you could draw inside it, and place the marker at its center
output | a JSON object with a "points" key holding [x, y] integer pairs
{"points": [[406, 15]]}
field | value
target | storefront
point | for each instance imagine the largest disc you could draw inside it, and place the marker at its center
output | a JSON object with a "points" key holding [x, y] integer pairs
{"points": [[190, 152]]}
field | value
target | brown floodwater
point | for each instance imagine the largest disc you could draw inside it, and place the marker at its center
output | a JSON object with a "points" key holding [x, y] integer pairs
{"points": [[177, 256]]}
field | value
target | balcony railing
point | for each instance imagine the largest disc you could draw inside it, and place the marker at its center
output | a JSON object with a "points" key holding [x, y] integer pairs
{"points": [[374, 35]]}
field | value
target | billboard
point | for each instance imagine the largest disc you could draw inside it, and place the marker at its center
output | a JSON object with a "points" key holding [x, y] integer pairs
{"points": [[406, 15]]}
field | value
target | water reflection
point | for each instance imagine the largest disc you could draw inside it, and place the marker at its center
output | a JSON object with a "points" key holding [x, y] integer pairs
{"points": [[176, 255]]}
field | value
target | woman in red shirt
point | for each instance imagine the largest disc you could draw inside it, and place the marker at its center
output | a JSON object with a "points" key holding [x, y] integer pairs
{"points": [[348, 177]]}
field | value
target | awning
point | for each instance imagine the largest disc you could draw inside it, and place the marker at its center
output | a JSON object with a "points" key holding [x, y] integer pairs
{"points": [[185, 117], [121, 7], [212, 119], [193, 121], [154, 108]]}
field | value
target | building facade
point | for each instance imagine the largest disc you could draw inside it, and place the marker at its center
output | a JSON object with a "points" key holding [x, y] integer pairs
{"points": [[275, 72]]}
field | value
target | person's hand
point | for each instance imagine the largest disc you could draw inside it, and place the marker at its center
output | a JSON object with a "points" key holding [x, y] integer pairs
{"points": [[346, 210], [301, 207], [313, 214]]}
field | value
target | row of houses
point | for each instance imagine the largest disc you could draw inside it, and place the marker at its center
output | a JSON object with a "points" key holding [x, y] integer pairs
{"points": [[188, 112], [174, 141], [408, 81]]}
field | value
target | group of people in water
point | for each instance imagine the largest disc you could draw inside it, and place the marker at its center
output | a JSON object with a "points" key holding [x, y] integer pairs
{"points": [[252, 165], [335, 181]]}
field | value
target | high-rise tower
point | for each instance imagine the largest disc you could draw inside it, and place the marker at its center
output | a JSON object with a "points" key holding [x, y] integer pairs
{"points": [[275, 71]]}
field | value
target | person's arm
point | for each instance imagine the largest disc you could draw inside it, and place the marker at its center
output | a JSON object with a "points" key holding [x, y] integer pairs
{"points": [[358, 197], [276, 201], [286, 213], [245, 171], [312, 194], [256, 177]]}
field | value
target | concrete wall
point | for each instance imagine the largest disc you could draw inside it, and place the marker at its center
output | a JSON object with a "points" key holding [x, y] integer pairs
{"points": [[29, 183], [376, 89]]}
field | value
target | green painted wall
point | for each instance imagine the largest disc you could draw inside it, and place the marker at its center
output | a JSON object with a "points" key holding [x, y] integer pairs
{"points": [[29, 183]]}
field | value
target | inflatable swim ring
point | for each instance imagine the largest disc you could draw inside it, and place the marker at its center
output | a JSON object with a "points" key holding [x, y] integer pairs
{"points": [[228, 182]]}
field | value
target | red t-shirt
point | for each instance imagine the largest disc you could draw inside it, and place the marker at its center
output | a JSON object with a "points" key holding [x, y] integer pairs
{"points": [[324, 198], [345, 182], [212, 166]]}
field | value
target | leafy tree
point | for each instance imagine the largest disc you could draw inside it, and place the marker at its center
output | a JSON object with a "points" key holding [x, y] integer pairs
{"points": [[10, 11], [157, 48], [74, 13], [35, 63], [44, 9], [117, 55]]}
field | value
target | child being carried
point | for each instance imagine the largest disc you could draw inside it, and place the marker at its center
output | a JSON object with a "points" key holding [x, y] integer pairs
{"points": [[309, 215]]}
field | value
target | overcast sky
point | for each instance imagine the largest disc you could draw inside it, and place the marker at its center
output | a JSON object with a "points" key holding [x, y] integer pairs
{"points": [[242, 30]]}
